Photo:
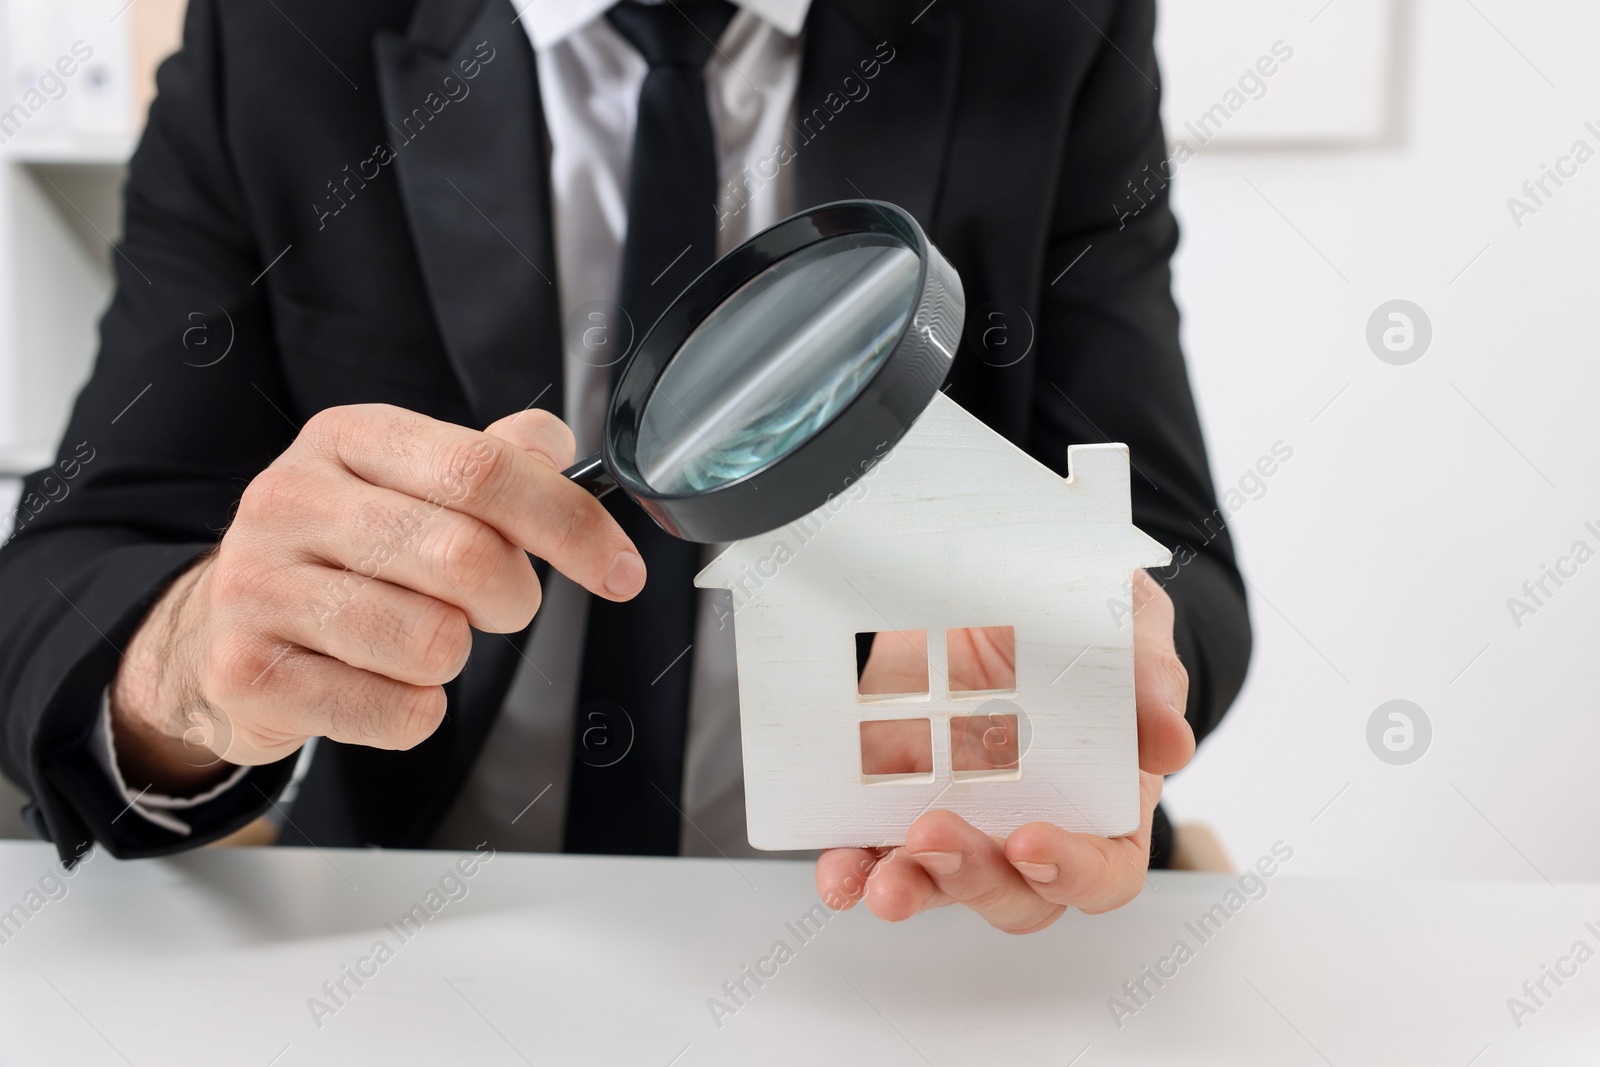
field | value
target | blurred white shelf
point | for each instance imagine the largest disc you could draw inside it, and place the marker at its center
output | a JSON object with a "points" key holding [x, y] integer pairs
{"points": [[15, 462], [69, 151], [62, 168]]}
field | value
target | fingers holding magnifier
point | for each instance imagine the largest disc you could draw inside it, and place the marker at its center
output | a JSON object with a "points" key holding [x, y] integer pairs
{"points": [[582, 541], [514, 486], [577, 536]]}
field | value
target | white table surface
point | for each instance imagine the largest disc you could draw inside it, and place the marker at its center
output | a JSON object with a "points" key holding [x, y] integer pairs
{"points": [[210, 958]]}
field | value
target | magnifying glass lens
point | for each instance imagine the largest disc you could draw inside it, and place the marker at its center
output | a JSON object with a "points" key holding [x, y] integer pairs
{"points": [[776, 361], [781, 373]]}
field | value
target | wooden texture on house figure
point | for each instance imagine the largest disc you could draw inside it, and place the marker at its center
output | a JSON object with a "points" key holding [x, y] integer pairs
{"points": [[956, 527]]}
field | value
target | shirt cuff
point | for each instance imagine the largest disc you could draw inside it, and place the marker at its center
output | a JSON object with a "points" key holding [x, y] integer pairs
{"points": [[156, 808]]}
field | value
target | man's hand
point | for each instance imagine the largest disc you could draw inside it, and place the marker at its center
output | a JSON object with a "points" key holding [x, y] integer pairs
{"points": [[1025, 882], [344, 594]]}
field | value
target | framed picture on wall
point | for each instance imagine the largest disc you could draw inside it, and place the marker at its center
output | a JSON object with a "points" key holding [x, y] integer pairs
{"points": [[1282, 73]]}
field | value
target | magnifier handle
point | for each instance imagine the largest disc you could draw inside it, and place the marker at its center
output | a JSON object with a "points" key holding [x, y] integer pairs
{"points": [[591, 474]]}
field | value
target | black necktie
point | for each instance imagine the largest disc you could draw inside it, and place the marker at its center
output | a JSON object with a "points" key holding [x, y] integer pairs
{"points": [[633, 695]]}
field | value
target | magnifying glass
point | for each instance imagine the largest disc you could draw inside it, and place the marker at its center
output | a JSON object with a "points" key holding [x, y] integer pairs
{"points": [[781, 373]]}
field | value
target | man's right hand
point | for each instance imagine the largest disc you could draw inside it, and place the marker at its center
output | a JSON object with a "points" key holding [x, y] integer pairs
{"points": [[343, 595]]}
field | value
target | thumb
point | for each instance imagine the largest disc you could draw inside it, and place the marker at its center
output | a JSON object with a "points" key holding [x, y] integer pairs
{"points": [[539, 433], [1160, 682]]}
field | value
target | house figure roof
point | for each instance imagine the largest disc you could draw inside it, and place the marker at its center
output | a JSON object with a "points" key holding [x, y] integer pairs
{"points": [[958, 485]]}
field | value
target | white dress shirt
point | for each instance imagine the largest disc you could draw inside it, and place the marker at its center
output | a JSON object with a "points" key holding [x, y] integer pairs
{"points": [[589, 82]]}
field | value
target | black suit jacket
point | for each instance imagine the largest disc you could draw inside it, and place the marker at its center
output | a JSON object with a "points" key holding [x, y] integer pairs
{"points": [[263, 221]]}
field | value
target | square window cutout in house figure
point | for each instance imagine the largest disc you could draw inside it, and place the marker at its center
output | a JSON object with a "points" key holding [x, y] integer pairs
{"points": [[895, 666], [896, 750], [986, 747], [982, 659]]}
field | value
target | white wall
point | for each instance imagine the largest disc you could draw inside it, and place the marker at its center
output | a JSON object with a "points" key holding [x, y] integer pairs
{"points": [[1382, 555]]}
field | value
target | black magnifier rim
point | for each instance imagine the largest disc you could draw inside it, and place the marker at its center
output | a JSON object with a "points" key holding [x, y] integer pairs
{"points": [[829, 461]]}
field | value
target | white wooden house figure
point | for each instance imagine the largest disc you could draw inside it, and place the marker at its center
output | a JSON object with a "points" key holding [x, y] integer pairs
{"points": [[956, 527]]}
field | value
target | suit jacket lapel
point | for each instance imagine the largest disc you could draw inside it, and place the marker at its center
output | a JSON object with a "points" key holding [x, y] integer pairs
{"points": [[461, 100], [474, 181], [890, 143]]}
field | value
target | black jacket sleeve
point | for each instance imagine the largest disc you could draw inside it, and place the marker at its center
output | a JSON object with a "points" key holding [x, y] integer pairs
{"points": [[185, 404], [1110, 366]]}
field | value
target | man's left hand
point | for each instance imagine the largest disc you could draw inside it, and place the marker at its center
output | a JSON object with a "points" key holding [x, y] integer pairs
{"points": [[1023, 883]]}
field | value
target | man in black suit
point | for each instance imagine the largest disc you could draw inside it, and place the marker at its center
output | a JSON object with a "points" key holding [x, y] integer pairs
{"points": [[371, 213]]}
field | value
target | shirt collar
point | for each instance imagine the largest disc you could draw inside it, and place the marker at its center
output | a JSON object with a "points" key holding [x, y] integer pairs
{"points": [[551, 21]]}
